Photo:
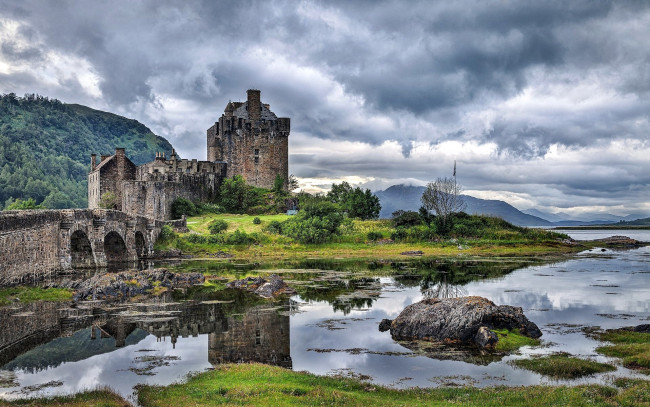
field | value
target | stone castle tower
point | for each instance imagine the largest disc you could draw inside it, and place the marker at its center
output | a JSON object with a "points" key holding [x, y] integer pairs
{"points": [[248, 140], [252, 140]]}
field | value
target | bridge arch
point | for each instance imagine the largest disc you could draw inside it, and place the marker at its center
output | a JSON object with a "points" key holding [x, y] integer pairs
{"points": [[115, 248], [81, 251]]}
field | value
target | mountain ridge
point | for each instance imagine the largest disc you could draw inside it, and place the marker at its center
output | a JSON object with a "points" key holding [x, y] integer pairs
{"points": [[407, 197], [45, 148]]}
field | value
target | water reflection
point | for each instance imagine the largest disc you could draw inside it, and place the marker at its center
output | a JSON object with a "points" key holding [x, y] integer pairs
{"points": [[329, 327], [141, 342]]}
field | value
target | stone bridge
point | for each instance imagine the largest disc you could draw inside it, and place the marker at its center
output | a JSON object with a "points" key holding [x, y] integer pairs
{"points": [[38, 243]]}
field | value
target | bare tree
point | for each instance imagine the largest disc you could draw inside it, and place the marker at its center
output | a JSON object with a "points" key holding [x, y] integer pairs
{"points": [[292, 183], [443, 197]]}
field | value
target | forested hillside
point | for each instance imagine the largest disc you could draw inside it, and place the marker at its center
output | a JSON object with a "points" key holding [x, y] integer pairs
{"points": [[45, 148]]}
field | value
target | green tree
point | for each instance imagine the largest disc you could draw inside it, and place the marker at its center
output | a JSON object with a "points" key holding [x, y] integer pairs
{"points": [[19, 205], [108, 200], [57, 200], [183, 206], [278, 184], [236, 196], [356, 202]]}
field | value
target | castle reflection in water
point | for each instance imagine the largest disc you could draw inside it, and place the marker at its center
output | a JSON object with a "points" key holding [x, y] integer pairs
{"points": [[258, 334]]}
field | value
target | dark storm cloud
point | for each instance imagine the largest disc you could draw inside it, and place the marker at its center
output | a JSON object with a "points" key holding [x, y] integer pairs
{"points": [[525, 77]]}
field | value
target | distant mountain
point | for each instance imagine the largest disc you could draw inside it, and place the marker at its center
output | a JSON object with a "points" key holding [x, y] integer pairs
{"points": [[408, 198], [551, 217], [564, 219], [45, 148]]}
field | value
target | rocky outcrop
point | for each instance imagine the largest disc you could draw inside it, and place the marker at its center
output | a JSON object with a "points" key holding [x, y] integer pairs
{"points": [[112, 286], [272, 287], [620, 241], [171, 253], [464, 320]]}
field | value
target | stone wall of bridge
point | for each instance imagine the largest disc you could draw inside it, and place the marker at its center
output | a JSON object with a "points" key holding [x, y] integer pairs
{"points": [[38, 243]]}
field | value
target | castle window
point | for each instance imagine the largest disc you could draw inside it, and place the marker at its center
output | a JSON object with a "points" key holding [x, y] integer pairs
{"points": [[257, 155], [258, 338]]}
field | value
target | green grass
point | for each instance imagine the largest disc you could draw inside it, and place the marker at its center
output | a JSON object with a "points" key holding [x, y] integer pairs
{"points": [[258, 385], [511, 340], [632, 347], [563, 366], [243, 222], [353, 242], [30, 294], [252, 385], [98, 398]]}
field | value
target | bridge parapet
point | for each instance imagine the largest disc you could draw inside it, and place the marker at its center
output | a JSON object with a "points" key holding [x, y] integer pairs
{"points": [[37, 243]]}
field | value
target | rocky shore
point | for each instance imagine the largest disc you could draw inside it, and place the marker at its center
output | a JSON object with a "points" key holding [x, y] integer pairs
{"points": [[126, 284]]}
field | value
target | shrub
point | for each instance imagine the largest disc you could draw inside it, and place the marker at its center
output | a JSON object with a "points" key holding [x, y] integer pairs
{"points": [[238, 237], [398, 234], [196, 238], [406, 218], [374, 236], [317, 222], [182, 206], [310, 230], [461, 230], [167, 233], [274, 227], [257, 221], [217, 226]]}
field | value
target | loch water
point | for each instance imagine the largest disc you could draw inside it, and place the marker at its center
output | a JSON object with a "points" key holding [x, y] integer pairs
{"points": [[329, 328]]}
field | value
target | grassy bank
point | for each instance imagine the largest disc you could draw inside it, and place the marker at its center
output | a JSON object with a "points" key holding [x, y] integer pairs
{"points": [[563, 366], [246, 238], [97, 398], [257, 385], [25, 294], [632, 347]]}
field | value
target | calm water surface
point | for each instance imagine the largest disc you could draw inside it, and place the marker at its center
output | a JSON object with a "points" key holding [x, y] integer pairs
{"points": [[331, 327]]}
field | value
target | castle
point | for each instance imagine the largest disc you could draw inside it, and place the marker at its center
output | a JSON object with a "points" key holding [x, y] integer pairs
{"points": [[247, 140]]}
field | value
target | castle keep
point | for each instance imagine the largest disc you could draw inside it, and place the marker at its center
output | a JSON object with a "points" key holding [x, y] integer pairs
{"points": [[252, 140], [248, 140]]}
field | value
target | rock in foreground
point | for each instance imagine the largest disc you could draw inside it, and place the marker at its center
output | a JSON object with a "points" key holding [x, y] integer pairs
{"points": [[464, 320], [272, 287]]}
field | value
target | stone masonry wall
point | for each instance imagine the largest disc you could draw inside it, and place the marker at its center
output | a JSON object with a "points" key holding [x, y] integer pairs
{"points": [[153, 196], [35, 244]]}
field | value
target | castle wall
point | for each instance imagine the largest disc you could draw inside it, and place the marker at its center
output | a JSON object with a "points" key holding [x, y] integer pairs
{"points": [[154, 193]]}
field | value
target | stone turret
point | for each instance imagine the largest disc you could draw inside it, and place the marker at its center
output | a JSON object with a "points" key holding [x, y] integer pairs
{"points": [[251, 140]]}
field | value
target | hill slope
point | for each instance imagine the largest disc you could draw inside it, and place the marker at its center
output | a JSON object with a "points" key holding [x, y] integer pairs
{"points": [[45, 148], [408, 198]]}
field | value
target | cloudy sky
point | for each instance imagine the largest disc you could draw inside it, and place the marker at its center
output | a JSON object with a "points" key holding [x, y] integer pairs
{"points": [[542, 104]]}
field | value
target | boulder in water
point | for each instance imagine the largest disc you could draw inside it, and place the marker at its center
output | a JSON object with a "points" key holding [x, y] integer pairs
{"points": [[463, 320]]}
